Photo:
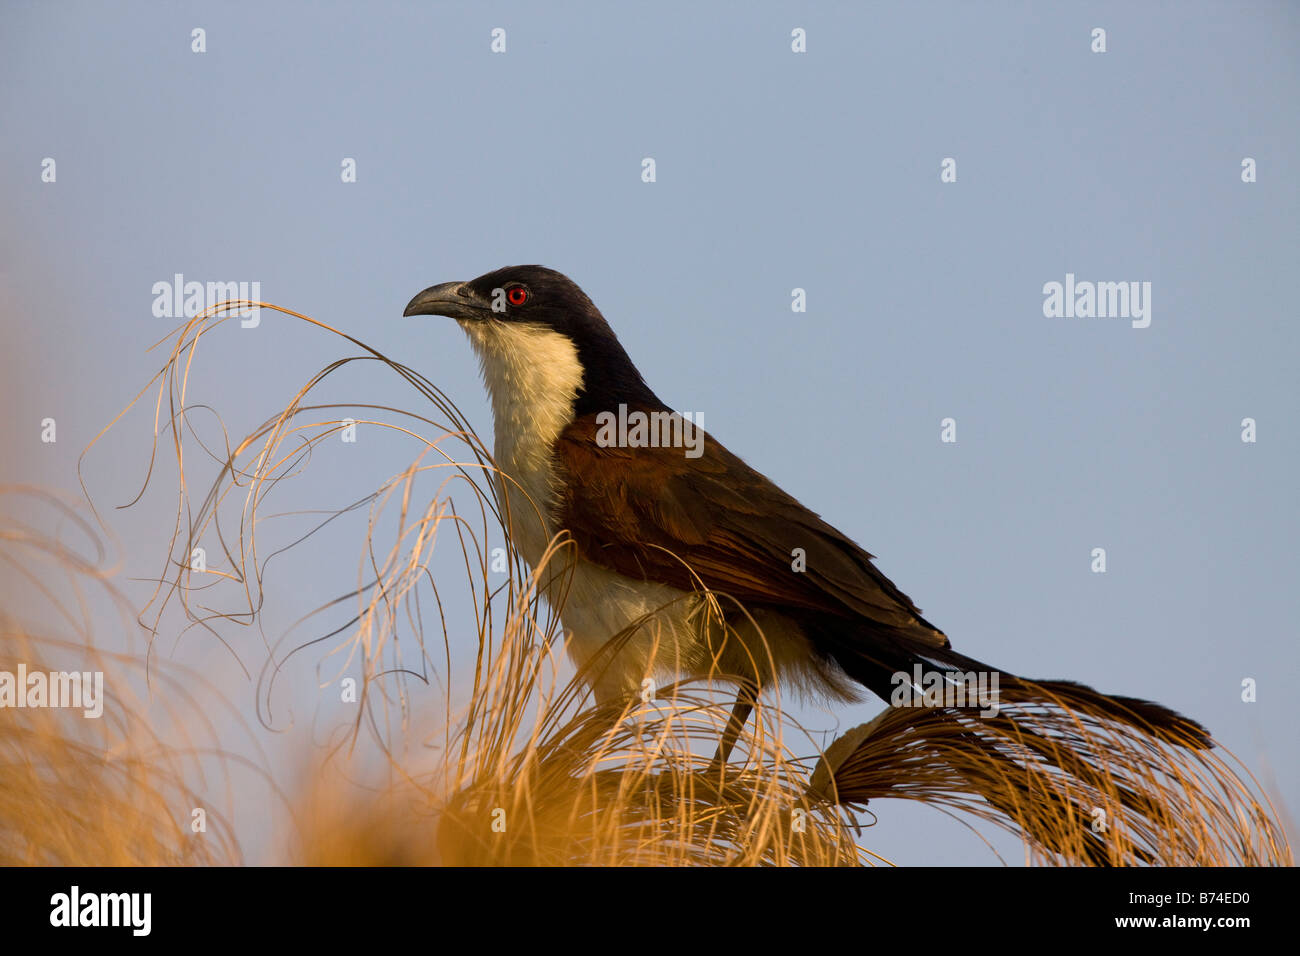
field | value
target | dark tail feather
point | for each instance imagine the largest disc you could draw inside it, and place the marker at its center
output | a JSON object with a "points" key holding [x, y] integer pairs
{"points": [[1089, 777], [876, 667]]}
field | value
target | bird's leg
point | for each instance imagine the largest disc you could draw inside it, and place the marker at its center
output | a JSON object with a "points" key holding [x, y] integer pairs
{"points": [[745, 700]]}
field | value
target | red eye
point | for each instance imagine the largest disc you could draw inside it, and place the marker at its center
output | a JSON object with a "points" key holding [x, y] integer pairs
{"points": [[517, 296]]}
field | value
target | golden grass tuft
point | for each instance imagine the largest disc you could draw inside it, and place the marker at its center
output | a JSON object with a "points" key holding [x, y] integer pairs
{"points": [[78, 791], [1077, 786]]}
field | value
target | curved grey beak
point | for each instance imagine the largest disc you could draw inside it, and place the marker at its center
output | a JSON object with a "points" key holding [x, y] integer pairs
{"points": [[452, 299]]}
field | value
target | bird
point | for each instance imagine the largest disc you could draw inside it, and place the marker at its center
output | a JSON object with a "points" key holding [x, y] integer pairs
{"points": [[679, 553]]}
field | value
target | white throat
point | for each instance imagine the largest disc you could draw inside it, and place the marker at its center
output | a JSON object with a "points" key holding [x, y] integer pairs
{"points": [[533, 375]]}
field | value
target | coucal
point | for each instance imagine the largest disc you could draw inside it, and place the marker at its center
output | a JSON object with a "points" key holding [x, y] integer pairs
{"points": [[660, 526]]}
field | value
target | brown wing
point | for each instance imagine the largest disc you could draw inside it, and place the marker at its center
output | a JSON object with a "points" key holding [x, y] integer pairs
{"points": [[649, 513]]}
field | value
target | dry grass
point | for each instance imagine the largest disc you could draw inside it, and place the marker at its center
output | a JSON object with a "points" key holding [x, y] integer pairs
{"points": [[520, 768], [1078, 786], [78, 791]]}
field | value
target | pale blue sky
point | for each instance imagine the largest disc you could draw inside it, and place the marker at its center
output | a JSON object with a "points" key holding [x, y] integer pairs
{"points": [[775, 171]]}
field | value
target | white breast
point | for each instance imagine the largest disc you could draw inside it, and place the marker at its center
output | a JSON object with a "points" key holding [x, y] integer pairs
{"points": [[533, 375]]}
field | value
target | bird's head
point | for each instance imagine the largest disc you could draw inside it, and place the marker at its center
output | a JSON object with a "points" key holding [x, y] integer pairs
{"points": [[534, 325], [520, 294]]}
